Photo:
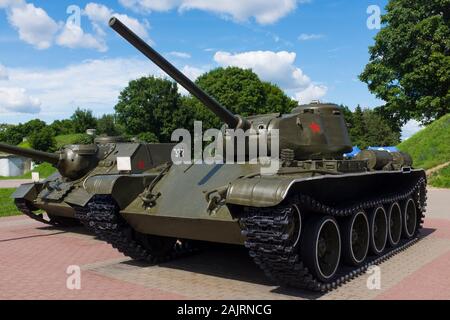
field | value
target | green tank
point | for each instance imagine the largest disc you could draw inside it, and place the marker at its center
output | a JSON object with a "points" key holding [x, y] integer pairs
{"points": [[63, 194], [318, 222]]}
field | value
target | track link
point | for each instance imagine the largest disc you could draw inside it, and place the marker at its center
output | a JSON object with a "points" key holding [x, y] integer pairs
{"points": [[266, 230], [26, 208], [102, 216]]}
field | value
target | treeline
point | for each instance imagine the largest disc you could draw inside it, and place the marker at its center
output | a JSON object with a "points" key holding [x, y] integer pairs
{"points": [[41, 136], [152, 108]]}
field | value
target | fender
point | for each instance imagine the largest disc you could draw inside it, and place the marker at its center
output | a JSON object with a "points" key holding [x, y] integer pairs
{"points": [[123, 188], [27, 191], [268, 191]]}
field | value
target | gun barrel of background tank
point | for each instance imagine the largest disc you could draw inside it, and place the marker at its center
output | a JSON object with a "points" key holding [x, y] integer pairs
{"points": [[223, 113], [30, 153]]}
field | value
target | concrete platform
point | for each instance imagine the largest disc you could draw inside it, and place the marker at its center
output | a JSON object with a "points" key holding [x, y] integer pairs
{"points": [[34, 260]]}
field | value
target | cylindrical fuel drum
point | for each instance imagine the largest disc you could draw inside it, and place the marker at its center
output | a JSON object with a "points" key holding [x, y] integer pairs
{"points": [[401, 159], [376, 159]]}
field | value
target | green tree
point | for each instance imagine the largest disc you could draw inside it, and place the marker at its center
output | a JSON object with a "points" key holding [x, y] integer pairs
{"points": [[371, 129], [148, 137], [12, 135], [377, 131], [151, 105], [62, 127], [357, 130], [82, 119], [240, 91], [409, 64], [107, 125], [32, 126], [43, 140]]}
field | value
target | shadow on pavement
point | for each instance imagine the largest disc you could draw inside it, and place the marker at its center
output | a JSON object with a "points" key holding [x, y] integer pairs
{"points": [[228, 262], [35, 236]]}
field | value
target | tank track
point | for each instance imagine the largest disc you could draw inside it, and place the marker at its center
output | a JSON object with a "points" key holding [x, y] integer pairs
{"points": [[25, 207], [269, 246], [102, 216]]}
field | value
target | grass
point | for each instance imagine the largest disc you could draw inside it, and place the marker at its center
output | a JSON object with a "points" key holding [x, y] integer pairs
{"points": [[45, 170], [62, 140], [441, 178], [7, 206], [430, 147]]}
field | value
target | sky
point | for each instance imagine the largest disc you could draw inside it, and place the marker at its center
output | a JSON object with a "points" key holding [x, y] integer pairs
{"points": [[56, 56]]}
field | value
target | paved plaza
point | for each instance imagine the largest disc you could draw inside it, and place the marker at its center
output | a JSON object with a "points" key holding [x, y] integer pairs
{"points": [[34, 259]]}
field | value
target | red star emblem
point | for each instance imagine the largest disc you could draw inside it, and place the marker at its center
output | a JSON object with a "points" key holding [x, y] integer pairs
{"points": [[141, 165], [315, 128]]}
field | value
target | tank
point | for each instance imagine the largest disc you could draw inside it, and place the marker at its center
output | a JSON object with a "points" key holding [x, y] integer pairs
{"points": [[316, 223], [63, 194]]}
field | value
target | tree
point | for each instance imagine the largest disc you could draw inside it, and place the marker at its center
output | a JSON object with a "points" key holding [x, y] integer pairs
{"points": [[12, 135], [409, 64], [82, 120], [240, 91], [32, 126], [61, 127], [370, 129], [107, 125], [151, 105], [357, 130], [43, 140], [148, 137]]}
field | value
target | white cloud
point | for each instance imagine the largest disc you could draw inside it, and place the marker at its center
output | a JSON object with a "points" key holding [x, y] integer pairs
{"points": [[73, 36], [310, 36], [100, 14], [93, 84], [410, 128], [311, 93], [33, 24], [192, 73], [182, 55], [11, 3], [37, 28], [150, 5], [263, 11], [16, 100], [276, 67], [3, 73]]}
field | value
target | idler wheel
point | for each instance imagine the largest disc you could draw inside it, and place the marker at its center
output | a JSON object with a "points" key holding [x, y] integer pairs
{"points": [[321, 249], [409, 218], [355, 238], [395, 224], [378, 230], [294, 229]]}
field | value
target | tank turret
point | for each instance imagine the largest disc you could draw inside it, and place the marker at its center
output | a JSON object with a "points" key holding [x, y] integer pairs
{"points": [[72, 161], [314, 131]]}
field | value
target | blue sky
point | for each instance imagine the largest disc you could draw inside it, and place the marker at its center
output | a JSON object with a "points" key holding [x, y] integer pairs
{"points": [[313, 49]]}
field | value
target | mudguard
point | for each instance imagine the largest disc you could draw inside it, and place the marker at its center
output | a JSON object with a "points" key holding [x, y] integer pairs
{"points": [[123, 189], [268, 191], [27, 191]]}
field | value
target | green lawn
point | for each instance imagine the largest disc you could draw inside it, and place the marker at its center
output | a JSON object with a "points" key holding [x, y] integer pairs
{"points": [[430, 147], [7, 207]]}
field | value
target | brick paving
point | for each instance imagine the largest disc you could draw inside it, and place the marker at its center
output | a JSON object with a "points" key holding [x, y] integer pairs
{"points": [[34, 260]]}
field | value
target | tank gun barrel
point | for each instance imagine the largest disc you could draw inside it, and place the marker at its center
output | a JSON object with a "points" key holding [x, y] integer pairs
{"points": [[224, 114], [30, 153]]}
